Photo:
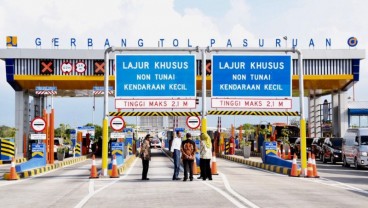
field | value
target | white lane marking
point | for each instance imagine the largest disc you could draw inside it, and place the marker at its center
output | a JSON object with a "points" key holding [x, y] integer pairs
{"points": [[226, 195], [228, 187], [336, 184], [91, 194], [91, 187], [35, 176]]}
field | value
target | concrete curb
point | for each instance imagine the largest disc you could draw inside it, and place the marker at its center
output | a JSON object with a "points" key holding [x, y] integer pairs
{"points": [[272, 168], [18, 160], [127, 163], [36, 171]]}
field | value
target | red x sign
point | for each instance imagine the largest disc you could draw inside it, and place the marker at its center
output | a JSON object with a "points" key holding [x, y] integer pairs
{"points": [[46, 67], [99, 67], [208, 67]]}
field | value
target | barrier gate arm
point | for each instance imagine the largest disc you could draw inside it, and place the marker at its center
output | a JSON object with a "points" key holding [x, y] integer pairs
{"points": [[106, 86], [303, 143]]}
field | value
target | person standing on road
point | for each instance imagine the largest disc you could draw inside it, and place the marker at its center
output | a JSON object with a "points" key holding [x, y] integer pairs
{"points": [[188, 149], [205, 156], [145, 155], [175, 149]]}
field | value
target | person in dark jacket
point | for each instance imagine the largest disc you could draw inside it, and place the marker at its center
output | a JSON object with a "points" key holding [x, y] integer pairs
{"points": [[188, 149], [145, 155]]}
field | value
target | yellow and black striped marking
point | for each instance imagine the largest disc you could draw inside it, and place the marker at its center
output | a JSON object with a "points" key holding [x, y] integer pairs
{"points": [[212, 112], [17, 161], [37, 154], [126, 164], [120, 152], [253, 113], [227, 147], [154, 114], [272, 168], [77, 149], [36, 171], [7, 148], [130, 149]]}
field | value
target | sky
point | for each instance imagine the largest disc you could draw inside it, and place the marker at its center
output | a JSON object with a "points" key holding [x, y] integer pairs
{"points": [[197, 20]]}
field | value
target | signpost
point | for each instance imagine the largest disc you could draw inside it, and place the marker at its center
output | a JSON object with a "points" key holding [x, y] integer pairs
{"points": [[171, 78], [117, 135], [251, 103], [66, 67], [80, 67], [38, 124], [193, 122], [251, 76], [51, 90], [156, 103], [117, 123], [99, 90], [38, 136]]}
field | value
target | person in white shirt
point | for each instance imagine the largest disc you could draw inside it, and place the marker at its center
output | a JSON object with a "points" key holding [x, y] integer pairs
{"points": [[175, 149]]}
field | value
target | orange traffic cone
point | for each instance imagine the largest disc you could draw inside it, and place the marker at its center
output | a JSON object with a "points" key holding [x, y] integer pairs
{"points": [[214, 165], [13, 174], [294, 168], [93, 168], [315, 173], [283, 155], [289, 155], [310, 167], [114, 171], [278, 152], [194, 168]]}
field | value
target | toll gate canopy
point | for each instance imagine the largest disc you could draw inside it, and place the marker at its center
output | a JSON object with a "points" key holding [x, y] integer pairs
{"points": [[76, 72]]}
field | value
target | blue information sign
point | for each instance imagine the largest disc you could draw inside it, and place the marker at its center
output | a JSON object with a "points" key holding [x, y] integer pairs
{"points": [[116, 146], [251, 76], [270, 146], [101, 88], [155, 76], [37, 147], [49, 88]]}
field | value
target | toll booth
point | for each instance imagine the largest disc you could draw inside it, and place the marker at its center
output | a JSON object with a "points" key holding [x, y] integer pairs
{"points": [[198, 146], [117, 149], [212, 136], [29, 148], [269, 155], [86, 144], [268, 149], [73, 137], [128, 141], [237, 143], [38, 158], [88, 133]]}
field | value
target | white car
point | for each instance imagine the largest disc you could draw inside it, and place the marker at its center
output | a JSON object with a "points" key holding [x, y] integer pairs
{"points": [[155, 143]]}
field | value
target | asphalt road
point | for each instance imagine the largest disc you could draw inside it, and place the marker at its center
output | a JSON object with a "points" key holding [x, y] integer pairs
{"points": [[355, 180], [237, 185]]}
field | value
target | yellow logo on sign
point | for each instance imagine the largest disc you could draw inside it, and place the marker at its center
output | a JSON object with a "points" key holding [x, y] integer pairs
{"points": [[11, 41]]}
